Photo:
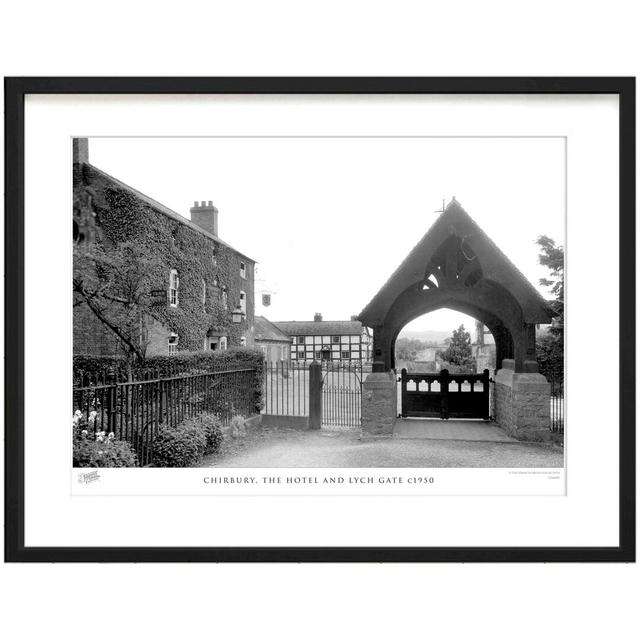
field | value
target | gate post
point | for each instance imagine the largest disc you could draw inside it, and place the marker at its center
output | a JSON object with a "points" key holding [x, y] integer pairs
{"points": [[403, 390], [444, 398], [315, 395], [379, 403], [523, 401], [485, 394]]}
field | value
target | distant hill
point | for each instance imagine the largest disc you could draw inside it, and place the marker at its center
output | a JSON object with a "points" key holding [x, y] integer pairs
{"points": [[427, 335]]}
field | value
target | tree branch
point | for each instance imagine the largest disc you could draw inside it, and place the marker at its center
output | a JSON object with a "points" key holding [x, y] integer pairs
{"points": [[117, 330]]}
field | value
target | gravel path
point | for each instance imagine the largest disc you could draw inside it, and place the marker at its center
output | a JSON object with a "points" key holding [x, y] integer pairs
{"points": [[278, 447]]}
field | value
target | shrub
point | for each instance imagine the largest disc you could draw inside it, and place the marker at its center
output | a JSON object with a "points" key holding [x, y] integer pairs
{"points": [[180, 446], [237, 427], [184, 445], [101, 451], [213, 432], [550, 355], [455, 369]]}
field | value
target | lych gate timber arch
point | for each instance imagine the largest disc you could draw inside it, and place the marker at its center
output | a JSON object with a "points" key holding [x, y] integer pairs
{"points": [[456, 265]]}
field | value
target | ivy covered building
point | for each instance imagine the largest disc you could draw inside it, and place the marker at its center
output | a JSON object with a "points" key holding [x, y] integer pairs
{"points": [[185, 288]]}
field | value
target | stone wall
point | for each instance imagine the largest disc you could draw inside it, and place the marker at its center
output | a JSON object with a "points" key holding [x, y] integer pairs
{"points": [[522, 402]]}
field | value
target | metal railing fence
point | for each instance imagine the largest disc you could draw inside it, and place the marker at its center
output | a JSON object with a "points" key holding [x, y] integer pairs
{"points": [[134, 409]]}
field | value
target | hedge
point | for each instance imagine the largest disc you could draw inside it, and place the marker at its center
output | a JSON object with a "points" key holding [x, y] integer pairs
{"points": [[117, 367]]}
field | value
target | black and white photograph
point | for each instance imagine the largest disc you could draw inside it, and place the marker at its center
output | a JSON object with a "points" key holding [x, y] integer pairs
{"points": [[319, 302], [360, 317]]}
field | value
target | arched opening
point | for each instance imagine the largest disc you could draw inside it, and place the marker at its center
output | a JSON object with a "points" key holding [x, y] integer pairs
{"points": [[475, 303], [443, 361], [423, 344]]}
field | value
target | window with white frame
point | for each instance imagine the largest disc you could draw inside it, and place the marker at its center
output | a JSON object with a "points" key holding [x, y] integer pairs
{"points": [[173, 343], [223, 343], [243, 342], [243, 270], [174, 283], [223, 297], [243, 301]]}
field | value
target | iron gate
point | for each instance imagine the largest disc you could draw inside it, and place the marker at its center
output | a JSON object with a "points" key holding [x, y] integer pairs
{"points": [[341, 394], [444, 395]]}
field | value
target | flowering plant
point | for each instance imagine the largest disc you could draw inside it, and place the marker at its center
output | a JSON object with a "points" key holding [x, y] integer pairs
{"points": [[98, 448]]}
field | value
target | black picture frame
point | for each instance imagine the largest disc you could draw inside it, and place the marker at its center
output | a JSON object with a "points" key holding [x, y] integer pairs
{"points": [[15, 91]]}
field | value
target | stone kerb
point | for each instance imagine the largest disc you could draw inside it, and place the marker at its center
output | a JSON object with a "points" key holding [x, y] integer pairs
{"points": [[522, 401], [379, 404]]}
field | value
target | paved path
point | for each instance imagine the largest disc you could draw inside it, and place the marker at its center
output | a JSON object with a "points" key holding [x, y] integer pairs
{"points": [[468, 430], [288, 448]]}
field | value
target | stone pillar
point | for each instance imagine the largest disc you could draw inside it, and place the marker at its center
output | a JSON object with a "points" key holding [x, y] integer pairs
{"points": [[379, 404], [522, 401]]}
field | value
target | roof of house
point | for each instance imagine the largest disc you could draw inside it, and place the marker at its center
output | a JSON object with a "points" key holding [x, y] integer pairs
{"points": [[158, 206], [321, 327], [267, 331]]}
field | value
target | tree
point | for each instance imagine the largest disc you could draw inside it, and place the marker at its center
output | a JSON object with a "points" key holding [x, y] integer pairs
{"points": [[552, 257], [459, 352], [550, 345], [409, 348], [116, 286]]}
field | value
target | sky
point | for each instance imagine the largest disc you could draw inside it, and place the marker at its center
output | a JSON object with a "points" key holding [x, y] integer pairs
{"points": [[329, 219]]}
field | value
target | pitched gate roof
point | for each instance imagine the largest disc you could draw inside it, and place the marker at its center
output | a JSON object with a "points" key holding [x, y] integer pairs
{"points": [[496, 267]]}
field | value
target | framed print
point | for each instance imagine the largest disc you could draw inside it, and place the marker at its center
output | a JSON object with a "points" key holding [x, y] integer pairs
{"points": [[320, 319]]}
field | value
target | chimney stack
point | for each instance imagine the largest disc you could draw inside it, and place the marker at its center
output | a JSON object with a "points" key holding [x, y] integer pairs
{"points": [[205, 215], [317, 317], [80, 150]]}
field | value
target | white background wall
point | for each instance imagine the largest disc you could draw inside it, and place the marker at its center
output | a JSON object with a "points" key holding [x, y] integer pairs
{"points": [[329, 38]]}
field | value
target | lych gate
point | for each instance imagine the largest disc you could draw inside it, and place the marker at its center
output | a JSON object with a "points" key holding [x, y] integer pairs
{"points": [[457, 266]]}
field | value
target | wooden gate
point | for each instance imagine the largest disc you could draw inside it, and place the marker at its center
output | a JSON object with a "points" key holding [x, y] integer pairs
{"points": [[444, 395]]}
